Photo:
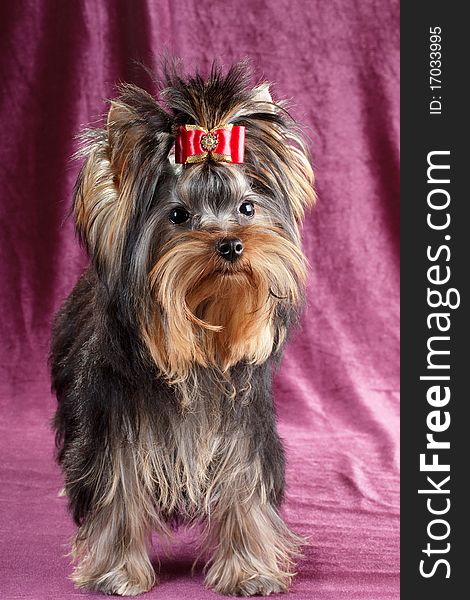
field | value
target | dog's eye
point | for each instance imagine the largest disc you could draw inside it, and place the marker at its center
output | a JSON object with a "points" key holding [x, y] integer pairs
{"points": [[247, 209], [179, 216]]}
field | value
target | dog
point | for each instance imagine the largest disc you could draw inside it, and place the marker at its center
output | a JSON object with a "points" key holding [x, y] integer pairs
{"points": [[189, 206]]}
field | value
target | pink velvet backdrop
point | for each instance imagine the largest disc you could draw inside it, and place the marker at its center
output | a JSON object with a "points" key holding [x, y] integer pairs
{"points": [[337, 391]]}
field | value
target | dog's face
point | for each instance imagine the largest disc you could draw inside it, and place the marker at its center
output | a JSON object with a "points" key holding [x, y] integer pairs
{"points": [[225, 261], [206, 254]]}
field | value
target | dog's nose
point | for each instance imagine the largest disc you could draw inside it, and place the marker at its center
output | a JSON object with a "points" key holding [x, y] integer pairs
{"points": [[230, 248]]}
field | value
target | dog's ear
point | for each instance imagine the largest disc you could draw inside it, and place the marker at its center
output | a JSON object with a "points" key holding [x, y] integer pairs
{"points": [[277, 154], [125, 130], [300, 176], [124, 164], [263, 99], [262, 93], [120, 116]]}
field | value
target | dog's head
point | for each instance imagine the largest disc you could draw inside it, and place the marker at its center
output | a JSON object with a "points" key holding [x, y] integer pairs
{"points": [[204, 256]]}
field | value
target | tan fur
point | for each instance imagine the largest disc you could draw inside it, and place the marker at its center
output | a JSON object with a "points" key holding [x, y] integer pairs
{"points": [[214, 314], [105, 203], [102, 211]]}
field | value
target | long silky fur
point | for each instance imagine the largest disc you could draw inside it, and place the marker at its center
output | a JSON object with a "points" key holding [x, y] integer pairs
{"points": [[162, 355]]}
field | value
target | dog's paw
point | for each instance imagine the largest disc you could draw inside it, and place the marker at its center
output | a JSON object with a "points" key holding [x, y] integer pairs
{"points": [[256, 585], [116, 582], [122, 586], [259, 585]]}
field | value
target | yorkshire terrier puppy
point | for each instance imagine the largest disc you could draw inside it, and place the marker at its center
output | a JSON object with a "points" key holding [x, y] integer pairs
{"points": [[163, 354]]}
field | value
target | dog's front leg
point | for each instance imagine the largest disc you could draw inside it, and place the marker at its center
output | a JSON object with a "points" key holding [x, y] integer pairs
{"points": [[111, 544], [252, 548], [253, 551]]}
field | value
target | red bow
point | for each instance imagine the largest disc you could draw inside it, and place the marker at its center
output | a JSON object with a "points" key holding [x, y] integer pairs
{"points": [[223, 144]]}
